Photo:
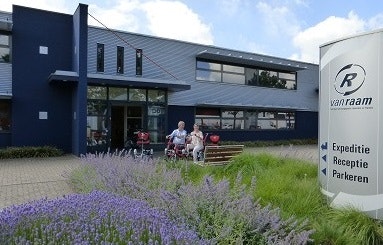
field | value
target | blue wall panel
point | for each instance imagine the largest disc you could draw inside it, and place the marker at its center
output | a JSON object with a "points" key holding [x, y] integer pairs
{"points": [[31, 91], [5, 140], [180, 113], [306, 127]]}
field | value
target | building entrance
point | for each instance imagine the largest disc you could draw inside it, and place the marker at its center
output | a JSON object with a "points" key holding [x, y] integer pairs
{"points": [[125, 120]]}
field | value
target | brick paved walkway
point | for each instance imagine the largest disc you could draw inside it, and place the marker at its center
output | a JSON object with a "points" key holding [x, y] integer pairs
{"points": [[23, 180]]}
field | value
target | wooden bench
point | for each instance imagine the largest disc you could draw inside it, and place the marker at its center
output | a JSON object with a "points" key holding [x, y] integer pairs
{"points": [[221, 154]]}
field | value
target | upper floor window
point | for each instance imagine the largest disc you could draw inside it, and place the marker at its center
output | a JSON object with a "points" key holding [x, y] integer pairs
{"points": [[120, 60], [5, 48], [216, 72], [100, 57]]}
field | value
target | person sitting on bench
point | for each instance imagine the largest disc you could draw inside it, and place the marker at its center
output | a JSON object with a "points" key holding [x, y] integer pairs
{"points": [[196, 142]]}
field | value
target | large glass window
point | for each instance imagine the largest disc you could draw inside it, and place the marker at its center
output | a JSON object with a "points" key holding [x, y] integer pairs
{"points": [[5, 50], [97, 93], [120, 60], [118, 93], [97, 123], [228, 119], [156, 123], [232, 119], [216, 72], [5, 115], [136, 94], [100, 57], [156, 95]]}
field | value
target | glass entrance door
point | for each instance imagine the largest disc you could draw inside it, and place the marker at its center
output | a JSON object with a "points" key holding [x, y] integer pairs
{"points": [[125, 120]]}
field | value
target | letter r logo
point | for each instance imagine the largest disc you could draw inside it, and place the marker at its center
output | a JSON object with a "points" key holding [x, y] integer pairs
{"points": [[347, 79]]}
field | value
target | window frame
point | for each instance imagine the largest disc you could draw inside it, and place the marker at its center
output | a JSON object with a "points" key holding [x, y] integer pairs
{"points": [[100, 57], [230, 71], [120, 60]]}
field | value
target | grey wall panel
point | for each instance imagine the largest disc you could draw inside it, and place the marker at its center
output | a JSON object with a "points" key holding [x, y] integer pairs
{"points": [[5, 16], [179, 59], [5, 78]]}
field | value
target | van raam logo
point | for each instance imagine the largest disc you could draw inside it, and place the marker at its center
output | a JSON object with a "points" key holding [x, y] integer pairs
{"points": [[349, 80]]}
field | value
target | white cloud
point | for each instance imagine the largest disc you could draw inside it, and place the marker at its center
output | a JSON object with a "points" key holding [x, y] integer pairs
{"points": [[170, 19], [309, 40], [122, 15], [230, 7], [174, 19], [279, 20]]}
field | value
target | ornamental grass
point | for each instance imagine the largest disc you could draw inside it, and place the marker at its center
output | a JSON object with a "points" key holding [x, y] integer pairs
{"points": [[220, 211]]}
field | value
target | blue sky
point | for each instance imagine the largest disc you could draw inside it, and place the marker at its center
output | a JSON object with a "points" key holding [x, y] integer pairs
{"points": [[292, 29]]}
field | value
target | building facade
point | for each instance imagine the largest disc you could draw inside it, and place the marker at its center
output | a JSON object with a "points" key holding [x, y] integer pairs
{"points": [[82, 88]]}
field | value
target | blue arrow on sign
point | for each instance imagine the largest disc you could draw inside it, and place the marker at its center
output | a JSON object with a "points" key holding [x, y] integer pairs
{"points": [[324, 171], [324, 158], [324, 146]]}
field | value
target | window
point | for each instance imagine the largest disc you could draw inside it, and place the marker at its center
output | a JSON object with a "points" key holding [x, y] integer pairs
{"points": [[5, 115], [118, 93], [216, 72], [229, 119], [232, 119], [156, 123], [137, 94], [97, 93], [156, 95], [100, 57], [120, 60], [5, 50], [208, 118]]}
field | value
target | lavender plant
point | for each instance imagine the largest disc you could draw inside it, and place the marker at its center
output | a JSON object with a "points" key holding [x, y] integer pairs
{"points": [[220, 213], [95, 218]]}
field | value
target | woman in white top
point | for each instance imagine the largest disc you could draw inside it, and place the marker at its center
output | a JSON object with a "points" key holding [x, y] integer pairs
{"points": [[196, 142]]}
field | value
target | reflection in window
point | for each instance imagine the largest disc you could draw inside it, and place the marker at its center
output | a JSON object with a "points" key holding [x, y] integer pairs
{"points": [[136, 94], [97, 130], [211, 76], [208, 65], [5, 115], [5, 47], [156, 123], [156, 95], [98, 93], [208, 118], [120, 60], [227, 119], [233, 78], [232, 119], [215, 72], [100, 57], [96, 107], [233, 69], [118, 93]]}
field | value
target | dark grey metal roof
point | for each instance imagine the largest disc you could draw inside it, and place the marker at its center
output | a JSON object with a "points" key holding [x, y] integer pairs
{"points": [[242, 96], [263, 62], [118, 80]]}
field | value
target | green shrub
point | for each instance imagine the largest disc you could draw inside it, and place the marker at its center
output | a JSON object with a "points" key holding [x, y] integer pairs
{"points": [[30, 151]]}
